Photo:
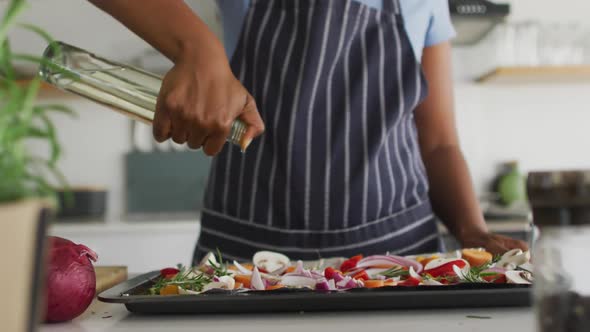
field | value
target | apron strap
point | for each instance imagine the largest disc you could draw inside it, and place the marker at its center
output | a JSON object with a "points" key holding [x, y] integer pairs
{"points": [[392, 6]]}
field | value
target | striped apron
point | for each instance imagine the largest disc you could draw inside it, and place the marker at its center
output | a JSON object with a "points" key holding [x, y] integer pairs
{"points": [[338, 171]]}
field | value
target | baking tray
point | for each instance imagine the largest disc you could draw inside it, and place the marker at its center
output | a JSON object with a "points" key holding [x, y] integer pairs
{"points": [[130, 293]]}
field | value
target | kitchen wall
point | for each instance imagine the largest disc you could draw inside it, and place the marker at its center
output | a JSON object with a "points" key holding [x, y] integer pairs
{"points": [[542, 126]]}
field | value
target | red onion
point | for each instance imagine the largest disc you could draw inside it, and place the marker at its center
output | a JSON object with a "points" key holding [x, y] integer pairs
{"points": [[71, 281], [322, 285]]}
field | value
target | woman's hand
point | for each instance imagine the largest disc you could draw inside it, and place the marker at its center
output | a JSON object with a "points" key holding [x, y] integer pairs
{"points": [[494, 243], [200, 97], [198, 102]]}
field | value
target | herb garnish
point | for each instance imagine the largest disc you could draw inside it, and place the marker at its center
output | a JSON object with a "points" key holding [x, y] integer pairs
{"points": [[186, 278], [394, 272], [219, 268]]}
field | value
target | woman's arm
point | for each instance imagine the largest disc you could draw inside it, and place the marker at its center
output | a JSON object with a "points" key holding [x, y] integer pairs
{"points": [[200, 97], [451, 189]]}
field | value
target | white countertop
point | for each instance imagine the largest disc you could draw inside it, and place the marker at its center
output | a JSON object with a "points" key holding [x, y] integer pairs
{"points": [[103, 317]]}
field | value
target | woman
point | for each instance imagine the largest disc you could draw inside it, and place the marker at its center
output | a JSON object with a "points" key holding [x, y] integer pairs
{"points": [[360, 151]]}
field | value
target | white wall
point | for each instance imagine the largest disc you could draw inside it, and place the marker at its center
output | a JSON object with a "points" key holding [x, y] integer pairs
{"points": [[542, 126]]}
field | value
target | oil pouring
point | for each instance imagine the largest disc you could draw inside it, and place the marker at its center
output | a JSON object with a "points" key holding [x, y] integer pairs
{"points": [[123, 88]]}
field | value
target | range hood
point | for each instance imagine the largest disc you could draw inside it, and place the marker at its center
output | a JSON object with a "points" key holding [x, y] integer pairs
{"points": [[474, 19]]}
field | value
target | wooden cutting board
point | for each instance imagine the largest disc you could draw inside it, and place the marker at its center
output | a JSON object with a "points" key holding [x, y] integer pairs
{"points": [[109, 276]]}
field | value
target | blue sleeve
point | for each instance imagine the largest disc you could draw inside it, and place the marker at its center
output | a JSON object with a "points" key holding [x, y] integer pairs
{"points": [[440, 27], [233, 13]]}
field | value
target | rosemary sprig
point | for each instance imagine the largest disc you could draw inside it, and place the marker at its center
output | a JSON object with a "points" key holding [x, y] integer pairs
{"points": [[219, 268], [185, 279], [394, 272]]}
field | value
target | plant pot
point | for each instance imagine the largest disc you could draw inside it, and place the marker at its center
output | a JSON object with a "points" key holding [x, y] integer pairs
{"points": [[22, 253]]}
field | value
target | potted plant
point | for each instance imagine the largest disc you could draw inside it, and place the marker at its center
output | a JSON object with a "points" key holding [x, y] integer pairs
{"points": [[26, 193]]}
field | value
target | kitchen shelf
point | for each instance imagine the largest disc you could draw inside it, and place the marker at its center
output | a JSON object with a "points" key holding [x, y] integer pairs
{"points": [[540, 74]]}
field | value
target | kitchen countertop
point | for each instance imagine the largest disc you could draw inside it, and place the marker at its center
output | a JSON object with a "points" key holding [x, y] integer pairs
{"points": [[103, 317]]}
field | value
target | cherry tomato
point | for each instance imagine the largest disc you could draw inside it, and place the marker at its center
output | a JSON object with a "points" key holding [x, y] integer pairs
{"points": [[329, 273], [169, 272]]}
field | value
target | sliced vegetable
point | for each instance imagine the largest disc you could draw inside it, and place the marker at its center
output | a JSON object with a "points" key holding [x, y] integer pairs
{"points": [[299, 281], [444, 267], [169, 290], [350, 263], [273, 287], [169, 272], [514, 258], [329, 273], [476, 257], [242, 269], [389, 282], [372, 283], [518, 277], [362, 275], [411, 281], [256, 281], [272, 262], [245, 280]]}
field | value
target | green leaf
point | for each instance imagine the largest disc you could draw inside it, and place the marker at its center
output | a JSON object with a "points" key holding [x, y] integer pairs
{"points": [[15, 8], [6, 68], [55, 149]]}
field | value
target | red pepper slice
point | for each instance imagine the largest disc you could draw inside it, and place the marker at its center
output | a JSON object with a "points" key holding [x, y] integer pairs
{"points": [[350, 263], [347, 265], [361, 275], [495, 279], [410, 282], [169, 272], [446, 270], [356, 258]]}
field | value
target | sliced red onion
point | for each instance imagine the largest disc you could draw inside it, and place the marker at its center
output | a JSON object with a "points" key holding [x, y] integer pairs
{"points": [[298, 281], [377, 260], [216, 279], [242, 269], [338, 277], [299, 267], [401, 261], [342, 283], [414, 274], [322, 285], [347, 283], [332, 284], [256, 281]]}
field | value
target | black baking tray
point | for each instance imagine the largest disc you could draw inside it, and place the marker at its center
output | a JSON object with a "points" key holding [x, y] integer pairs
{"points": [[130, 293]]}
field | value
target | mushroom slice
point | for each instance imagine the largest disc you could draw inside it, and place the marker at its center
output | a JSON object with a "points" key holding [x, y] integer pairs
{"points": [[519, 277], [271, 262], [514, 258]]}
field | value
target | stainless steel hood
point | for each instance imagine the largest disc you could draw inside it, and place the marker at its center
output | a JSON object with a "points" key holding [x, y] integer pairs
{"points": [[474, 19]]}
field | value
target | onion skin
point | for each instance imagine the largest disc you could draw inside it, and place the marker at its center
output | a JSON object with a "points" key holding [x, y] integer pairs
{"points": [[70, 280]]}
